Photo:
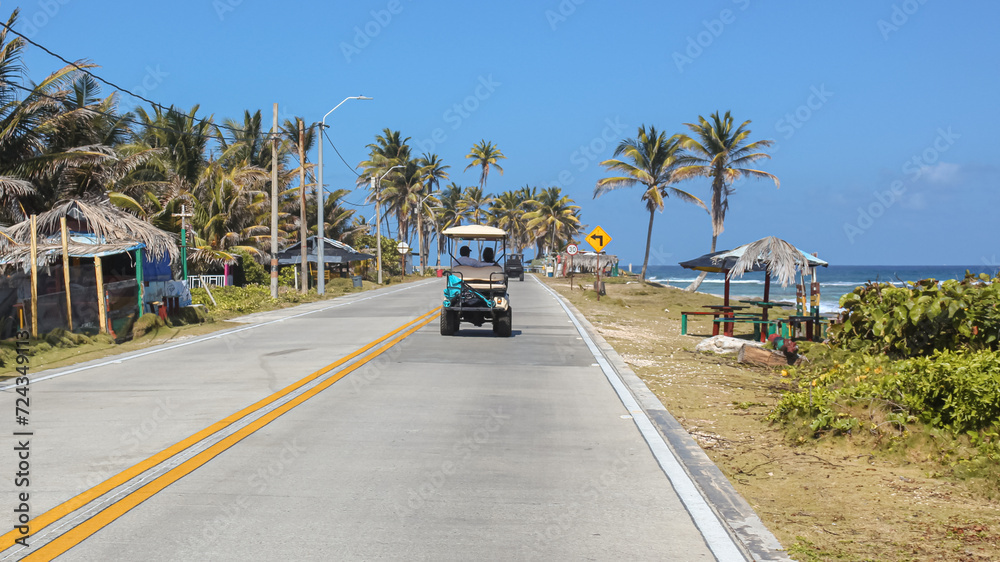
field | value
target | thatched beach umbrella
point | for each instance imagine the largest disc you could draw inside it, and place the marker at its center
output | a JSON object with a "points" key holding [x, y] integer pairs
{"points": [[771, 255]]}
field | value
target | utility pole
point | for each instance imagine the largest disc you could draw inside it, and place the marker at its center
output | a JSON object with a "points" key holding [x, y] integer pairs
{"points": [[304, 288], [184, 214], [378, 229], [274, 205]]}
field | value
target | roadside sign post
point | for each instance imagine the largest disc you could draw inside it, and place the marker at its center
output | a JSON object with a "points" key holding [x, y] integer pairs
{"points": [[598, 239], [571, 250], [403, 248]]}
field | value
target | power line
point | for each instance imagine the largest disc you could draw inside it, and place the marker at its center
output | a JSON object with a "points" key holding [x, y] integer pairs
{"points": [[121, 89], [349, 167], [120, 118]]}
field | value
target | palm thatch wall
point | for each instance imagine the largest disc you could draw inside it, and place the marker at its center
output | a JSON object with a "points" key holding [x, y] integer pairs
{"points": [[588, 262], [115, 231]]}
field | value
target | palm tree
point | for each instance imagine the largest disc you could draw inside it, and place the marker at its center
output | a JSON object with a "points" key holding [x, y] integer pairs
{"points": [[507, 212], [721, 153], [555, 217], [389, 149], [434, 172], [31, 120], [227, 209], [485, 155], [652, 160], [448, 214], [474, 204]]}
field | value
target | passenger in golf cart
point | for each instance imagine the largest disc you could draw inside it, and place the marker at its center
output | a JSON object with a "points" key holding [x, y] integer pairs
{"points": [[476, 291]]}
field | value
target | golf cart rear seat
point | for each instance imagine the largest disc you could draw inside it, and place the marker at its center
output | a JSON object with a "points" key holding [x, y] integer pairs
{"points": [[480, 278]]}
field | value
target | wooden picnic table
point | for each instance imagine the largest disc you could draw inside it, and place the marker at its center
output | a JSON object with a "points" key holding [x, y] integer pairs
{"points": [[726, 311]]}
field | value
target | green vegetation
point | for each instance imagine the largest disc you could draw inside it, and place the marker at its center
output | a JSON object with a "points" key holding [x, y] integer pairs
{"points": [[922, 317], [909, 363]]}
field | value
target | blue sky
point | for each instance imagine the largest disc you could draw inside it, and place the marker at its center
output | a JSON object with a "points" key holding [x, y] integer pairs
{"points": [[883, 112]]}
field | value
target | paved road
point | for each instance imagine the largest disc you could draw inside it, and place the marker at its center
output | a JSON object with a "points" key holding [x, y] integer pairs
{"points": [[421, 447]]}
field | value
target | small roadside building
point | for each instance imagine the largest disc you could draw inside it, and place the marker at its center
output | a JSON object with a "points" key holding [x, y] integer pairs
{"points": [[337, 256], [83, 266]]}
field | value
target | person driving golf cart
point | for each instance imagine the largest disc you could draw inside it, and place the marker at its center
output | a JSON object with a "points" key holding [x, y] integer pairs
{"points": [[476, 291]]}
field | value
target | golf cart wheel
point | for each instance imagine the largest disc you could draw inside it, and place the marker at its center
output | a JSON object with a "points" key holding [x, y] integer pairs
{"points": [[449, 322], [502, 325]]}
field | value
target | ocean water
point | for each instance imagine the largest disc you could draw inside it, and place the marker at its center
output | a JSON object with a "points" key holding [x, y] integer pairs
{"points": [[835, 280]]}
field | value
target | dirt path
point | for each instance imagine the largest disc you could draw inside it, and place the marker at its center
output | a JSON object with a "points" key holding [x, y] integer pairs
{"points": [[827, 499]]}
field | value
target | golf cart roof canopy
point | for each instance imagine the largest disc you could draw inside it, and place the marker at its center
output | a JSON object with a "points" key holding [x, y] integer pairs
{"points": [[475, 232]]}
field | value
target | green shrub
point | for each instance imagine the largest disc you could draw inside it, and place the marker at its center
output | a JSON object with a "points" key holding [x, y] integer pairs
{"points": [[241, 300], [254, 273], [145, 324], [958, 392], [922, 317]]}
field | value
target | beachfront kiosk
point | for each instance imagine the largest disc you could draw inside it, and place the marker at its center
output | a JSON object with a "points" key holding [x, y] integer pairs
{"points": [[776, 258]]}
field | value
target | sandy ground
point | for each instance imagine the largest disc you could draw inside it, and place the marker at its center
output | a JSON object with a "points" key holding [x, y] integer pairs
{"points": [[826, 499]]}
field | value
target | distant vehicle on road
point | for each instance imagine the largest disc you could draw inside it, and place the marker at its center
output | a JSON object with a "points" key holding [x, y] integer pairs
{"points": [[515, 266], [476, 290]]}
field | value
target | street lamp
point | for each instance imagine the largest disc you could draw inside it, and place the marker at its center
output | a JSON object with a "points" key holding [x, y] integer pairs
{"points": [[376, 185], [420, 231], [320, 199]]}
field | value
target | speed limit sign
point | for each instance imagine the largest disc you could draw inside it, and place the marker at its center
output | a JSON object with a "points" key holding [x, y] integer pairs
{"points": [[572, 249]]}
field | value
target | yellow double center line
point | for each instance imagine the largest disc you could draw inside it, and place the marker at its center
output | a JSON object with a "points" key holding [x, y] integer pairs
{"points": [[87, 528]]}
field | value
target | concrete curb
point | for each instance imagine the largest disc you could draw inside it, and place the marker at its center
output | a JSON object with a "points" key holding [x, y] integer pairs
{"points": [[742, 521]]}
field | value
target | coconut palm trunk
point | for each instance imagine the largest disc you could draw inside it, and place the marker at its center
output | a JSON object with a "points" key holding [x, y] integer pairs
{"points": [[649, 240]]}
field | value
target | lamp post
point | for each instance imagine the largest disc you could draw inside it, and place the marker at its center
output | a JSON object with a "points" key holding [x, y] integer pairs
{"points": [[376, 185], [320, 200], [420, 231]]}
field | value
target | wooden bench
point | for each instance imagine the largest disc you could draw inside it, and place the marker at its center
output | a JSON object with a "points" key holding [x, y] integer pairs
{"points": [[684, 321], [770, 326], [797, 321]]}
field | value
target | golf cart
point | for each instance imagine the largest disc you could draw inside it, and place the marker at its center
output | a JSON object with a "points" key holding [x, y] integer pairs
{"points": [[515, 266], [476, 291]]}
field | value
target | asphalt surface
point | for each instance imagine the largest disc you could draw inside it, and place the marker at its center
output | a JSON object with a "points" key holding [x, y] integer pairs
{"points": [[468, 447]]}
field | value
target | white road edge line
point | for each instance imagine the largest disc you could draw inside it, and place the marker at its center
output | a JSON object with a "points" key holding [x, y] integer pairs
{"points": [[712, 529], [119, 359]]}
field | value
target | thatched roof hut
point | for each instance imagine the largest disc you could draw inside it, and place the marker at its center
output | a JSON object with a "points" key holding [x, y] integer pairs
{"points": [[99, 228], [588, 262]]}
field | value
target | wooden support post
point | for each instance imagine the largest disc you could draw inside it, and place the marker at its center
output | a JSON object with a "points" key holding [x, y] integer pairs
{"points": [[65, 254], [34, 276], [102, 305], [598, 286], [302, 207]]}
